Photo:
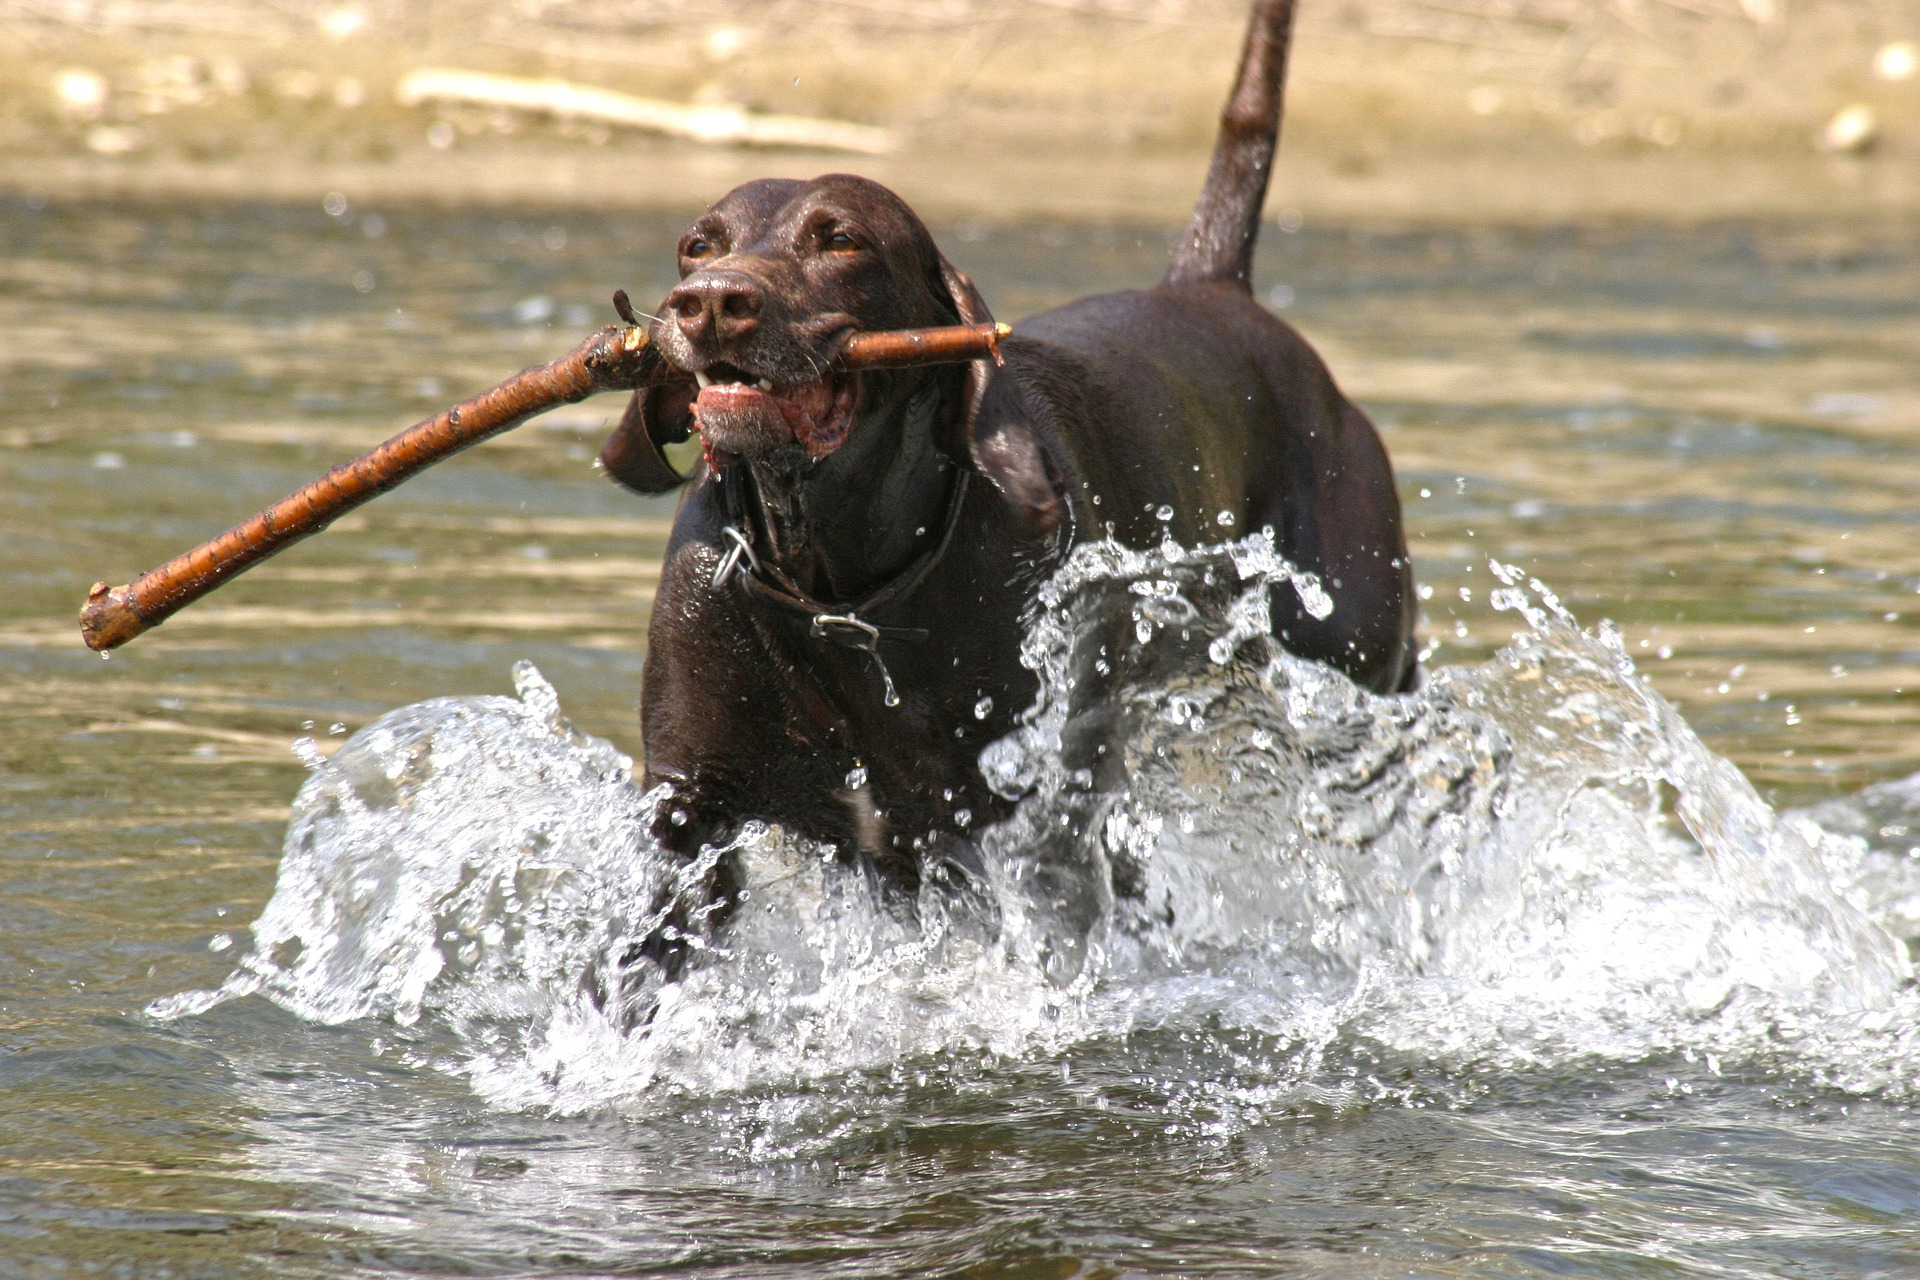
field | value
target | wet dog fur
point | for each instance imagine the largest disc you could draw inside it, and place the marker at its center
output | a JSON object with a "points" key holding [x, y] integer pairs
{"points": [[918, 509]]}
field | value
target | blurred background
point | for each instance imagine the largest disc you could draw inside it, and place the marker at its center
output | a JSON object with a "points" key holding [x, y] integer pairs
{"points": [[1453, 108], [1630, 287]]}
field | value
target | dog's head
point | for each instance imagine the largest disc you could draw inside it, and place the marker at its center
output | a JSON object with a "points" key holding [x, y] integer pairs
{"points": [[773, 279]]}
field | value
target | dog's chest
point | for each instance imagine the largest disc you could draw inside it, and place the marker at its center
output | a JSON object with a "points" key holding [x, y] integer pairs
{"points": [[903, 716]]}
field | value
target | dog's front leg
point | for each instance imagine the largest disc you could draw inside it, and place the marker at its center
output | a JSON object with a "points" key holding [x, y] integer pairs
{"points": [[654, 947], [695, 759], [1071, 877], [707, 703]]}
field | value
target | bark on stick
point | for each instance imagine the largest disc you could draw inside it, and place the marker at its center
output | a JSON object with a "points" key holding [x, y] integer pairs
{"points": [[617, 358], [893, 348]]}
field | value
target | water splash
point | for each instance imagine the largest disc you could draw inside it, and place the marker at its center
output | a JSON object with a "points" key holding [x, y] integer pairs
{"points": [[1527, 862]]}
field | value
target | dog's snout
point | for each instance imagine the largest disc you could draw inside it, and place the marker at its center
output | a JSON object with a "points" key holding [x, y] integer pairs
{"points": [[721, 305]]}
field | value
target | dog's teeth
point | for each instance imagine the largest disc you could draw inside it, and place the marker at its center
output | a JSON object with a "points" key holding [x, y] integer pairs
{"points": [[765, 385], [702, 379]]}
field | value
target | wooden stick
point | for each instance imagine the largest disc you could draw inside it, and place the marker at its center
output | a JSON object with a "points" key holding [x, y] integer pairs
{"points": [[894, 348], [614, 359], [611, 359]]}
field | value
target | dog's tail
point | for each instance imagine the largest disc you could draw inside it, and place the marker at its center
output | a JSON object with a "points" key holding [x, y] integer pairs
{"points": [[1219, 242]]}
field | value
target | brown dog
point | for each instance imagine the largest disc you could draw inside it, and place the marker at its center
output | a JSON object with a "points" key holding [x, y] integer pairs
{"points": [[838, 626]]}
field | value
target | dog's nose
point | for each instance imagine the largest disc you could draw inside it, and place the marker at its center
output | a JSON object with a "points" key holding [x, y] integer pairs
{"points": [[720, 304]]}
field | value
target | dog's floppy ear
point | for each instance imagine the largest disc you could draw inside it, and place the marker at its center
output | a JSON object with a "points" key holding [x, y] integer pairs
{"points": [[972, 309], [967, 302], [1011, 456], [635, 454]]}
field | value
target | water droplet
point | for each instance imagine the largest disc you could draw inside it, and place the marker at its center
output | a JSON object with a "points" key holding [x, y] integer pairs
{"points": [[856, 777], [309, 753], [336, 729], [678, 817], [219, 942], [983, 708], [1224, 519], [963, 817], [1163, 513], [536, 693]]}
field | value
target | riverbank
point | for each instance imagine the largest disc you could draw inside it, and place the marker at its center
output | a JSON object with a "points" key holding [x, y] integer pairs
{"points": [[1100, 109], [1415, 189]]}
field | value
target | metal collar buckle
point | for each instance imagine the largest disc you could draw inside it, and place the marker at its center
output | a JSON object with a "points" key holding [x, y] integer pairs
{"points": [[730, 563], [857, 633]]}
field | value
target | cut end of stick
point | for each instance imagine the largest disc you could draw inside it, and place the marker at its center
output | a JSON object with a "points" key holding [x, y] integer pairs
{"points": [[900, 348], [108, 619]]}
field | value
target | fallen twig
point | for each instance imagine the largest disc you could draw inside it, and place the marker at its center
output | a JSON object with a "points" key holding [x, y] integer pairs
{"points": [[716, 124]]}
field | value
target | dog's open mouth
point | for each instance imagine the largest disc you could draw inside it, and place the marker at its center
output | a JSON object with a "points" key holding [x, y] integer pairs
{"points": [[742, 415]]}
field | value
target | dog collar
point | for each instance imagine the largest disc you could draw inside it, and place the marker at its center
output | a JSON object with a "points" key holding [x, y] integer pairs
{"points": [[848, 625]]}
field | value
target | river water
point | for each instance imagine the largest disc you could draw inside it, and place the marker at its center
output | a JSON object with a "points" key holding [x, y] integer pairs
{"points": [[1590, 958]]}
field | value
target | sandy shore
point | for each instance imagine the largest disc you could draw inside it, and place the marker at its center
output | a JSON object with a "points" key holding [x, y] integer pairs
{"points": [[1154, 189], [1398, 110]]}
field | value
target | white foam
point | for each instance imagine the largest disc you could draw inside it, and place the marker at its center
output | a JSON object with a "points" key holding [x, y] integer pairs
{"points": [[1529, 861]]}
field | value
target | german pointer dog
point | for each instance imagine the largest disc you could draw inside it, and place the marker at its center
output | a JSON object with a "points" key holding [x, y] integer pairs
{"points": [[837, 631]]}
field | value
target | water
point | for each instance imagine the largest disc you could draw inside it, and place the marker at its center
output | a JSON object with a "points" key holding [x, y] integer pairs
{"points": [[1592, 957]]}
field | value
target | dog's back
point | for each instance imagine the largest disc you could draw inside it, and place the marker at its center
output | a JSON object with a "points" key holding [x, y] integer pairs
{"points": [[1193, 397], [1195, 400]]}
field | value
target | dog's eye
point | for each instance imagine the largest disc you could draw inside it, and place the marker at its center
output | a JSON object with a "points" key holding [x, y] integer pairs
{"points": [[696, 248], [841, 242]]}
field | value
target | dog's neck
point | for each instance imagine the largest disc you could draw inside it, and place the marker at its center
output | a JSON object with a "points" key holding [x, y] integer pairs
{"points": [[840, 528]]}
